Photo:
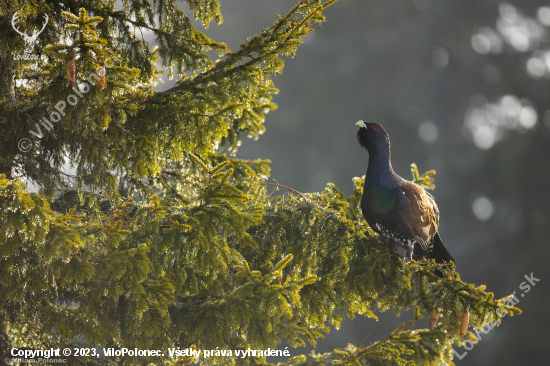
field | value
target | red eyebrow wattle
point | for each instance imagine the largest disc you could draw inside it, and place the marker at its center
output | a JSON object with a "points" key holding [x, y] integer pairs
{"points": [[375, 128]]}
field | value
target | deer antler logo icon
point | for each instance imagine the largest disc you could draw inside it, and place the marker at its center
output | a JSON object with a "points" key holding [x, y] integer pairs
{"points": [[30, 40]]}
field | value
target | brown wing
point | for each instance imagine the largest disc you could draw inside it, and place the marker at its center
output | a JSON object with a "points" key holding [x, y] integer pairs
{"points": [[423, 217], [434, 206]]}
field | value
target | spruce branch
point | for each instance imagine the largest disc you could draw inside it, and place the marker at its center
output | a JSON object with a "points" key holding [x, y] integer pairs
{"points": [[391, 337]]}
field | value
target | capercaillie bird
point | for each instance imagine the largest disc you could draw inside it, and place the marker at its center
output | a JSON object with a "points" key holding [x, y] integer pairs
{"points": [[399, 210]]}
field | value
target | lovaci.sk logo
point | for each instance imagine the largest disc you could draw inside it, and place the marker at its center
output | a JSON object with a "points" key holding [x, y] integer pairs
{"points": [[30, 40], [80, 87]]}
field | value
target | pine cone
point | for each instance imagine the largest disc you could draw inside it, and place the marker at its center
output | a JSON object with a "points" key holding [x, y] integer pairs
{"points": [[433, 319], [71, 73], [101, 74], [465, 322]]}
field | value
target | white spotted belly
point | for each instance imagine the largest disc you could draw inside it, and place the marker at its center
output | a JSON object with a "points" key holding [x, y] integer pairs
{"points": [[404, 241]]}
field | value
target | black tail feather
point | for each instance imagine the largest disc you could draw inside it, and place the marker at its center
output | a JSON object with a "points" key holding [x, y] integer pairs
{"points": [[439, 253]]}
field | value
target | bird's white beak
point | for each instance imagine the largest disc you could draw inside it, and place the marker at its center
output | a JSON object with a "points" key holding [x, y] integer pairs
{"points": [[361, 124]]}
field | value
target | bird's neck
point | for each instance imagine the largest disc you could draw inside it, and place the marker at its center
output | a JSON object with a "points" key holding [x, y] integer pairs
{"points": [[380, 171]]}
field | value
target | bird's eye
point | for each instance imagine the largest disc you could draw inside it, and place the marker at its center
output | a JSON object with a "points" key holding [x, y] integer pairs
{"points": [[375, 128]]}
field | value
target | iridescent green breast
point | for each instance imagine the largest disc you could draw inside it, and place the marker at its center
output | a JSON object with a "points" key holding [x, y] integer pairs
{"points": [[378, 200]]}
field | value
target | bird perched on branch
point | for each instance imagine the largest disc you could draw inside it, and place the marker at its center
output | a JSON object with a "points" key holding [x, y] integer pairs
{"points": [[395, 208]]}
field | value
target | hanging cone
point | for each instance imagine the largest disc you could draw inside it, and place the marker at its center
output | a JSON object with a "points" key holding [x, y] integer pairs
{"points": [[433, 319], [71, 73], [101, 74], [464, 322]]}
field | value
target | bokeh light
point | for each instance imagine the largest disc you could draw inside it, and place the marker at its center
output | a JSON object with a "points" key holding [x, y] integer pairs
{"points": [[483, 208], [428, 131], [487, 123]]}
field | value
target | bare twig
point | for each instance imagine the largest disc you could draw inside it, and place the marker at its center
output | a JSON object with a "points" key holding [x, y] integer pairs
{"points": [[365, 337], [290, 189]]}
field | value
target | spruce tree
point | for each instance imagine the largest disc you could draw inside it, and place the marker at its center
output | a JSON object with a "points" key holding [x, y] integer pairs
{"points": [[162, 238]]}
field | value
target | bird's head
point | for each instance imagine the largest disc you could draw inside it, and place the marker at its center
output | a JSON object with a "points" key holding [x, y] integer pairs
{"points": [[372, 135]]}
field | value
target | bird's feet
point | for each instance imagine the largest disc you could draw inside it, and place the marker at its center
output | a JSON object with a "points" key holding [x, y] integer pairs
{"points": [[409, 250], [394, 248]]}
